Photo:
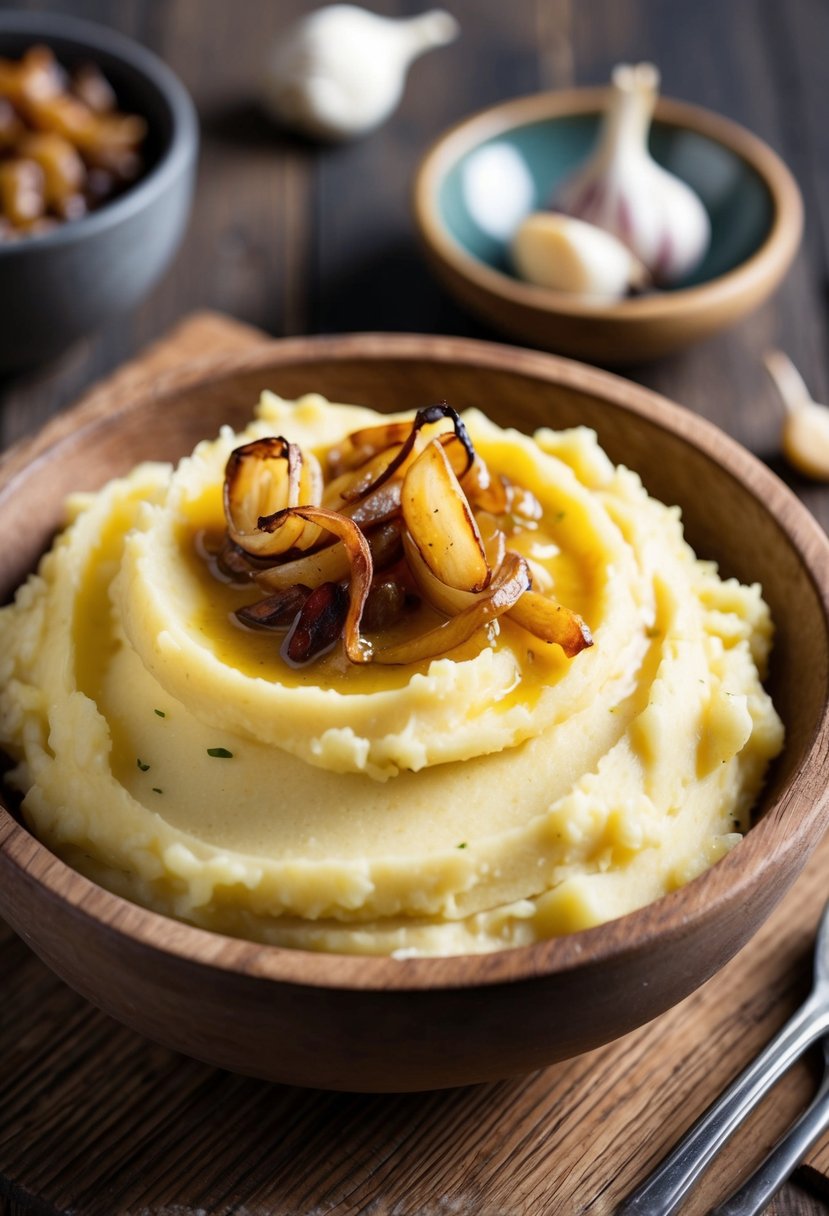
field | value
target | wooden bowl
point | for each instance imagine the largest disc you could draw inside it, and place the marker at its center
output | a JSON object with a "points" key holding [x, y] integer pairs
{"points": [[753, 202], [343, 1022]]}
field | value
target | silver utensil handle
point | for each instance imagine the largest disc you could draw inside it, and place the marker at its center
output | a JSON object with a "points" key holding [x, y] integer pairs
{"points": [[757, 1191], [662, 1193]]}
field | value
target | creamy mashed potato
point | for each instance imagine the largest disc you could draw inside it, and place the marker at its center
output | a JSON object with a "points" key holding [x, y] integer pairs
{"points": [[489, 798]]}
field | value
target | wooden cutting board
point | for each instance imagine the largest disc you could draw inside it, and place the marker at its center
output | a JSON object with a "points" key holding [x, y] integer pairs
{"points": [[95, 1121]]}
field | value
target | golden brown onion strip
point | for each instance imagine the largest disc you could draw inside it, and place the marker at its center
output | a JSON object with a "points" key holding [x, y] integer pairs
{"points": [[437, 515], [552, 622], [261, 479], [359, 555], [484, 491], [429, 415], [326, 565], [364, 444], [377, 507], [445, 599], [505, 590], [538, 614]]}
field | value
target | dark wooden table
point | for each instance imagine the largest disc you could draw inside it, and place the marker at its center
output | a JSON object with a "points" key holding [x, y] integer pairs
{"points": [[300, 240]]}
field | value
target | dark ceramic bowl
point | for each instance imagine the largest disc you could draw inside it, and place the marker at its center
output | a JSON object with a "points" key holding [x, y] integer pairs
{"points": [[60, 286], [752, 200]]}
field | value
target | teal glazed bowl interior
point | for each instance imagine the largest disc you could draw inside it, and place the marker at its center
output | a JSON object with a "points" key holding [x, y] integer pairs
{"points": [[738, 201], [477, 182]]}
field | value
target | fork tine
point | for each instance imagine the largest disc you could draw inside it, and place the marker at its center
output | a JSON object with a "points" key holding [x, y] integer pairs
{"points": [[821, 964]]}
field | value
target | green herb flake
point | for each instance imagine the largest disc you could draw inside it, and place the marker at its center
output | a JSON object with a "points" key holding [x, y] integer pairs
{"points": [[219, 753], [560, 515], [159, 713], [156, 790], [144, 767], [653, 633], [462, 845]]}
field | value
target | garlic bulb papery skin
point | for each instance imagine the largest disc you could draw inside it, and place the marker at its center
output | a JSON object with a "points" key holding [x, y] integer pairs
{"points": [[565, 254], [340, 71], [805, 435], [622, 189]]}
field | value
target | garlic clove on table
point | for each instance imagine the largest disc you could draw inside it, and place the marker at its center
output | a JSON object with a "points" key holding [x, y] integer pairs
{"points": [[805, 434], [566, 254], [622, 189], [340, 71]]}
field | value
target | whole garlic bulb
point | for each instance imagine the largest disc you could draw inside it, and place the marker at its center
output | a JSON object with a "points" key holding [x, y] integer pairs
{"points": [[569, 255], [622, 189], [340, 71]]}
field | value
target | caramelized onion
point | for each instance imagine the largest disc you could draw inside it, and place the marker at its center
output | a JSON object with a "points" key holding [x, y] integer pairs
{"points": [[332, 563], [484, 491], [427, 416], [539, 615], [377, 507], [364, 444], [393, 488], [261, 479], [234, 563], [505, 590], [441, 524], [385, 605], [445, 599], [552, 622], [353, 486], [318, 625], [386, 544], [327, 565], [359, 556], [276, 611]]}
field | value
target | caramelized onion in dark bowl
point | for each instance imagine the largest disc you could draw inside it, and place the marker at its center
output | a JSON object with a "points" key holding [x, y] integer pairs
{"points": [[61, 284]]}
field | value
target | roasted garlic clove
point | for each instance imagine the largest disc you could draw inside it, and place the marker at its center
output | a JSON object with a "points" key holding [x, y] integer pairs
{"points": [[805, 434], [565, 254]]}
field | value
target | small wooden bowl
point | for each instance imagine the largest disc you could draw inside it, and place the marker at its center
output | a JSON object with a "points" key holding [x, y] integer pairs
{"points": [[753, 202], [343, 1022]]}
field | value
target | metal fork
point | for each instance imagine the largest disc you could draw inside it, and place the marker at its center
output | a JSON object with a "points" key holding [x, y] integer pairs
{"points": [[761, 1187], [662, 1193]]}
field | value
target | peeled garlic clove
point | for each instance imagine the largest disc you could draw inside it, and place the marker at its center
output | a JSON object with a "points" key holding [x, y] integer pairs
{"points": [[566, 254], [805, 441], [622, 189], [805, 434], [341, 70]]}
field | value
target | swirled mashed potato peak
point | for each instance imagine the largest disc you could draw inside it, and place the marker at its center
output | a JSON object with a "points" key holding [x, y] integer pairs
{"points": [[487, 797]]}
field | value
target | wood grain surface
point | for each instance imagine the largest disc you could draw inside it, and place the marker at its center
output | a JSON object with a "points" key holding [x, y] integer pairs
{"points": [[280, 238]]}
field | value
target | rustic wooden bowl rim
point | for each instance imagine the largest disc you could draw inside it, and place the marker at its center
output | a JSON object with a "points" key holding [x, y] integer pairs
{"points": [[768, 843], [766, 263]]}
